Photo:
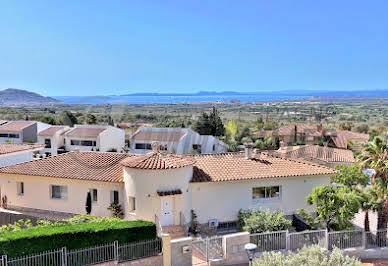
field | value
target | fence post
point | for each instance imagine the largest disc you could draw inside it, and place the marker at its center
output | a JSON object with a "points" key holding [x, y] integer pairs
{"points": [[326, 239], [64, 256], [363, 239], [287, 240], [116, 251], [4, 260]]}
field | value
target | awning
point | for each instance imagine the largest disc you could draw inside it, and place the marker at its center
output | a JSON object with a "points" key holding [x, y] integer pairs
{"points": [[169, 192]]}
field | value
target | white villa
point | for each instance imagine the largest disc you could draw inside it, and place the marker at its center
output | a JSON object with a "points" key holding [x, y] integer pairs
{"points": [[162, 185], [53, 139], [21, 131], [175, 140], [94, 138], [17, 153]]}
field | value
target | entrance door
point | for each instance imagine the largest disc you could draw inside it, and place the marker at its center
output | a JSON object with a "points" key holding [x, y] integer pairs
{"points": [[167, 217]]}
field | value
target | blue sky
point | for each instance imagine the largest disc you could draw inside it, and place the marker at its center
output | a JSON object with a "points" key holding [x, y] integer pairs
{"points": [[74, 47]]}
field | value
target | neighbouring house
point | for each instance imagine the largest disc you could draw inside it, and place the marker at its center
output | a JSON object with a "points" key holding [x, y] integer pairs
{"points": [[341, 138], [262, 134], [54, 139], [318, 154], [299, 133], [17, 153], [21, 131], [95, 138], [161, 186], [175, 140]]}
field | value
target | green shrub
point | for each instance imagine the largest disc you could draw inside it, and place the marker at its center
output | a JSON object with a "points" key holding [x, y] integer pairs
{"points": [[307, 256], [73, 235], [263, 221]]}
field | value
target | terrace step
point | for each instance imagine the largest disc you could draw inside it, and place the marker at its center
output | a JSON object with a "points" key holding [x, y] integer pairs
{"points": [[175, 231]]}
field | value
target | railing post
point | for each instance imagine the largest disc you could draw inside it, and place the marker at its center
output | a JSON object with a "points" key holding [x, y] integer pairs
{"points": [[64, 256], [326, 239], [116, 251], [363, 239], [4, 260], [287, 240]]}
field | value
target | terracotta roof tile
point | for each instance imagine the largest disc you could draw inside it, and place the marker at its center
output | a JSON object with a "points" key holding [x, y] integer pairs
{"points": [[16, 126], [96, 166], [159, 135], [325, 154], [305, 129], [49, 132], [6, 148], [85, 132], [341, 137], [158, 161], [234, 166]]}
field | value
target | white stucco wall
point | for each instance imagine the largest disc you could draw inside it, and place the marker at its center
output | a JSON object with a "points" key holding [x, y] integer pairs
{"points": [[143, 185], [112, 138], [222, 200], [37, 194], [15, 157]]}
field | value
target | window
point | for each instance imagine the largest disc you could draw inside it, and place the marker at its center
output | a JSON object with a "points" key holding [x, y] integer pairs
{"points": [[47, 142], [197, 148], [143, 146], [115, 197], [214, 147], [58, 192], [14, 136], [88, 143], [74, 142], [20, 188], [3, 135], [163, 147], [132, 203], [93, 193], [259, 193]]}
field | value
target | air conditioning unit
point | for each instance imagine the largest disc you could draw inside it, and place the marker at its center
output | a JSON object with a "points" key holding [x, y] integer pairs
{"points": [[213, 223]]}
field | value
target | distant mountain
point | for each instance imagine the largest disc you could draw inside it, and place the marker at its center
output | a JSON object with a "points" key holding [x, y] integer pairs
{"points": [[200, 93], [16, 97]]}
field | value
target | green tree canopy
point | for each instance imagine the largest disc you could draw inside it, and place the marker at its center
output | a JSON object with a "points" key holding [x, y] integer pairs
{"points": [[336, 207], [67, 118], [210, 124]]}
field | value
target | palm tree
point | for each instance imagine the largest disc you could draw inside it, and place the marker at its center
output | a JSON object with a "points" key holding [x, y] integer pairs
{"points": [[375, 155]]}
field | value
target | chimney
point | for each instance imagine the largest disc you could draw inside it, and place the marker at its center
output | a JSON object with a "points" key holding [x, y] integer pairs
{"points": [[248, 150], [319, 127], [155, 146], [282, 145]]}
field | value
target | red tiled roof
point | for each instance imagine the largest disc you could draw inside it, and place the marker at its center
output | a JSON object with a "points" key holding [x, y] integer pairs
{"points": [[49, 132], [85, 132], [16, 126], [169, 192], [325, 154], [305, 129], [234, 166], [341, 137], [158, 161], [95, 166], [262, 133], [158, 135], [6, 148]]}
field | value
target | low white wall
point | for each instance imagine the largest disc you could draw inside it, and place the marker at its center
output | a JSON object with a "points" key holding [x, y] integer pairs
{"points": [[37, 194]]}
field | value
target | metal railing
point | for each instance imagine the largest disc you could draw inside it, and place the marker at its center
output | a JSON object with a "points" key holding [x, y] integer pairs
{"points": [[299, 239], [283, 240], [227, 227], [88, 256], [345, 239], [210, 248], [270, 241]]}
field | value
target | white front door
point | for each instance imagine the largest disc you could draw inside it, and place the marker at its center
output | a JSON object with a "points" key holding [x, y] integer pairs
{"points": [[167, 217]]}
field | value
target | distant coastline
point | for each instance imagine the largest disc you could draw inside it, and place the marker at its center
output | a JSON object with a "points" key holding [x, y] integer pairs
{"points": [[226, 96]]}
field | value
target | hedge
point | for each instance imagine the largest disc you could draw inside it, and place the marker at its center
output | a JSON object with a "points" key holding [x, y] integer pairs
{"points": [[73, 236]]}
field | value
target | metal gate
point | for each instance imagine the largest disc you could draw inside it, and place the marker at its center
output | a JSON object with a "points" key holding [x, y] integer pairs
{"points": [[207, 249]]}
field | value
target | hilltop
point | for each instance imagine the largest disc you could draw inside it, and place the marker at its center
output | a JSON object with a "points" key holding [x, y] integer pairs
{"points": [[17, 97]]}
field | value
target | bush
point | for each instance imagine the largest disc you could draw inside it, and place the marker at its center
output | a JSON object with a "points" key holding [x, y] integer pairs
{"points": [[307, 256], [262, 221], [73, 235]]}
